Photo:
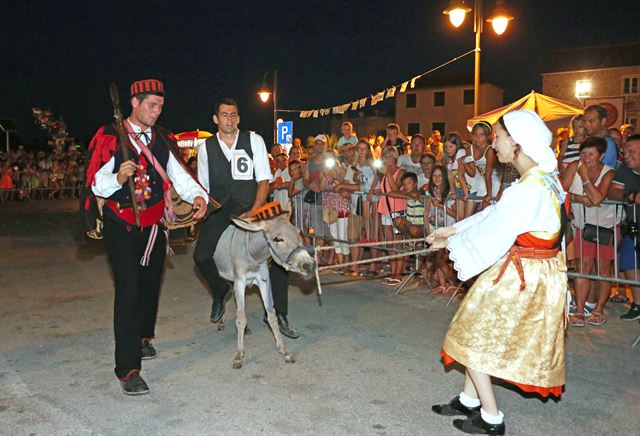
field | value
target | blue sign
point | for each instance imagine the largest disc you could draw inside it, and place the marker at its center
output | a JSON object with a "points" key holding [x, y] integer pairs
{"points": [[285, 132]]}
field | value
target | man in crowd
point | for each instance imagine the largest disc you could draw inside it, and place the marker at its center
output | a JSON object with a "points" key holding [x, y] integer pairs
{"points": [[411, 162], [279, 186], [137, 280], [435, 144], [233, 166], [626, 187], [595, 118]]}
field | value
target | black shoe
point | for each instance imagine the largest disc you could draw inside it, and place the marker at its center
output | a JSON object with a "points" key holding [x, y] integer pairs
{"points": [[476, 425], [284, 326], [632, 314], [455, 407], [148, 352], [133, 384], [217, 309]]}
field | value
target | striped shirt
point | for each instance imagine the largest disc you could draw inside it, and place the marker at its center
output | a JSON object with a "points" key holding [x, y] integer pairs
{"points": [[415, 212], [573, 152]]}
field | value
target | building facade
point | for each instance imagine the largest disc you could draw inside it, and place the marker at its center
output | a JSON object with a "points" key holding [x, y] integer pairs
{"points": [[443, 102], [585, 75]]}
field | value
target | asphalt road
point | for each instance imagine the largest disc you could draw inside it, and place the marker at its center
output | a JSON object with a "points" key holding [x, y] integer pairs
{"points": [[367, 361]]}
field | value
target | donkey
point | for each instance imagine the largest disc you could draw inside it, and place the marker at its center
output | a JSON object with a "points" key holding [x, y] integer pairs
{"points": [[242, 257]]}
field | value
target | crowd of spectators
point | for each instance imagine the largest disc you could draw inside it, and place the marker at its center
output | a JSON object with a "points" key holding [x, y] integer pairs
{"points": [[398, 187], [26, 175]]}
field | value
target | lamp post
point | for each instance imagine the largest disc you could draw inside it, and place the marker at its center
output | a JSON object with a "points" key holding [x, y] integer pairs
{"points": [[499, 20], [264, 94]]}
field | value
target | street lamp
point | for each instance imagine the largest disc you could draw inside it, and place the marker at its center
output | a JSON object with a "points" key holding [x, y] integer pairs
{"points": [[264, 94], [583, 89], [499, 20]]}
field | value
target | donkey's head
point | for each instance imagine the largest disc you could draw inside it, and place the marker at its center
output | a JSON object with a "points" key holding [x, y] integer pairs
{"points": [[284, 242]]}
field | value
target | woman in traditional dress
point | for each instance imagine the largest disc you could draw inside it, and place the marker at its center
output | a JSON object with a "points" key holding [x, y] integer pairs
{"points": [[511, 323]]}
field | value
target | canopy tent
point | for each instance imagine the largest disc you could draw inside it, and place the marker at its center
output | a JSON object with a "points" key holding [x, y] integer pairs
{"points": [[555, 113]]}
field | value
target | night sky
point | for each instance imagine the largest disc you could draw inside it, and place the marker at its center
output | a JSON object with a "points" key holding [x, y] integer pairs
{"points": [[327, 53]]}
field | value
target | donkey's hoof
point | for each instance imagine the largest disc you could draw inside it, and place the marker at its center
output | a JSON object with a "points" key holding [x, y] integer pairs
{"points": [[237, 364], [288, 358]]}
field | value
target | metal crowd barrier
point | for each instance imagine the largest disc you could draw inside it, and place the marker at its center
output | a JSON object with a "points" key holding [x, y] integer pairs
{"points": [[307, 215]]}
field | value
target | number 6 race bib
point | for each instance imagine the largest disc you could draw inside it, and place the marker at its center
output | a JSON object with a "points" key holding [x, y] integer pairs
{"points": [[241, 166]]}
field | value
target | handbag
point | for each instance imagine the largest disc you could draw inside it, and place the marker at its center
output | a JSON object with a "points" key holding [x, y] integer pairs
{"points": [[597, 235], [329, 215]]}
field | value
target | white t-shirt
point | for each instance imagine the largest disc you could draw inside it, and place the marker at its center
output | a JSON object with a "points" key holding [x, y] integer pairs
{"points": [[405, 162], [282, 195]]}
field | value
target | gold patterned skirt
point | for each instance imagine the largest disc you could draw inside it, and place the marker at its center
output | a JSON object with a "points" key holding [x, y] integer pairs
{"points": [[512, 334]]}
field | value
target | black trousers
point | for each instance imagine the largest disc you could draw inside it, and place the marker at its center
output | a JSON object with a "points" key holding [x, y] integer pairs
{"points": [[137, 289], [211, 230]]}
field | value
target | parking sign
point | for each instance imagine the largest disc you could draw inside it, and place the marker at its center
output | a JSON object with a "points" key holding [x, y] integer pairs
{"points": [[285, 132]]}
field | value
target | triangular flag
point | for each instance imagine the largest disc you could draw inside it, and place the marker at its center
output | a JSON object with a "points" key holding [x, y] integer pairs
{"points": [[362, 102], [403, 87], [315, 113], [303, 114], [354, 105], [345, 107], [336, 110], [377, 98], [391, 92], [413, 82]]}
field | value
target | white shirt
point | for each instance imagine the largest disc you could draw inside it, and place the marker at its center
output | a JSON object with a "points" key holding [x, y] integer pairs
{"points": [[106, 181], [405, 162], [261, 168], [484, 238], [282, 195]]}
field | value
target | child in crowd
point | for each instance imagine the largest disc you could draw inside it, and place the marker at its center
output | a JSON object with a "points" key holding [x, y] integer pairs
{"points": [[412, 224], [454, 155], [440, 213]]}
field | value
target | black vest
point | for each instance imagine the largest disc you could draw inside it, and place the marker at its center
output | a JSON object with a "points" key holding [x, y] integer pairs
{"points": [[160, 150], [222, 187]]}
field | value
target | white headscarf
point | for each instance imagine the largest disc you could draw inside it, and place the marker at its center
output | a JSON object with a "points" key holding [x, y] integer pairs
{"points": [[528, 130]]}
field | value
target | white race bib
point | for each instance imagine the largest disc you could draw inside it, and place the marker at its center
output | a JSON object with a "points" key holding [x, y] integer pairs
{"points": [[241, 166]]}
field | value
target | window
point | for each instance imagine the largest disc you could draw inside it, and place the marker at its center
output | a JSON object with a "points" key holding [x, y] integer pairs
{"points": [[467, 98], [411, 100], [413, 128], [438, 98], [439, 126], [630, 85]]}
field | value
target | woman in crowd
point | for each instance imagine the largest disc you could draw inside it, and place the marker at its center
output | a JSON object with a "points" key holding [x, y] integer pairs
{"points": [[389, 208], [484, 162], [588, 180], [295, 153], [570, 149], [454, 155], [440, 213], [510, 325], [339, 203], [6, 182], [427, 162]]}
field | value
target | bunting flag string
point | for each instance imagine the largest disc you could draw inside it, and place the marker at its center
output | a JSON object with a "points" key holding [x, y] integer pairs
{"points": [[379, 96]]}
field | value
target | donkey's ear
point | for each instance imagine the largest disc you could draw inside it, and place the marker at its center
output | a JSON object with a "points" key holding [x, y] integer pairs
{"points": [[249, 224]]}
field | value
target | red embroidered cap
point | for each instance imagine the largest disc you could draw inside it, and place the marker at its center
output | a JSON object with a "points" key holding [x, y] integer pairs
{"points": [[151, 86]]}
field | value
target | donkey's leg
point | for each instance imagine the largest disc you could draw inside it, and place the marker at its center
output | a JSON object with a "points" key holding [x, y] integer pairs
{"points": [[239, 288], [264, 284]]}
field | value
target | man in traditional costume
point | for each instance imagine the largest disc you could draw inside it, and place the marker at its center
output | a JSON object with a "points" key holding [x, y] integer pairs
{"points": [[137, 254], [511, 323]]}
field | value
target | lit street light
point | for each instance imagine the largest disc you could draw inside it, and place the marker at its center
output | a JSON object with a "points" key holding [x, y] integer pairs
{"points": [[264, 94], [499, 20]]}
